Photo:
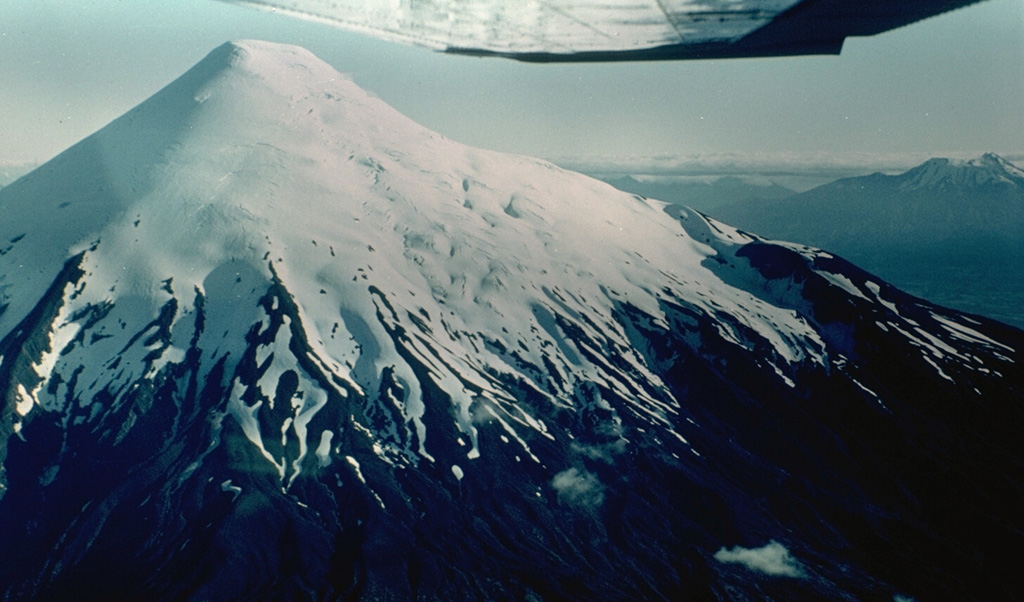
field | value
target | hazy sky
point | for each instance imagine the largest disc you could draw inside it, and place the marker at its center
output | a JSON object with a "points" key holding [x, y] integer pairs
{"points": [[951, 84]]}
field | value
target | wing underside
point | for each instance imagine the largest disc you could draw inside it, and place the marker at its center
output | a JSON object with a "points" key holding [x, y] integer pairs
{"points": [[609, 30]]}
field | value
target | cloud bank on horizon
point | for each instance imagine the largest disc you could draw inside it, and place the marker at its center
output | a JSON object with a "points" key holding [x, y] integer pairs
{"points": [[824, 163]]}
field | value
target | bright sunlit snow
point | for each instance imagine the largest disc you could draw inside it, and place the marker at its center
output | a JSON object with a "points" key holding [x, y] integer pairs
{"points": [[263, 166]]}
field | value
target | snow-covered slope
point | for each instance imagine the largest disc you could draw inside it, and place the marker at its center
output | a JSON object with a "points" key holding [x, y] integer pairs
{"points": [[264, 311], [265, 166]]}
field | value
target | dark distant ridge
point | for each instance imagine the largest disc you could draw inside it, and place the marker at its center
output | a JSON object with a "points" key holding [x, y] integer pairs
{"points": [[701, 194]]}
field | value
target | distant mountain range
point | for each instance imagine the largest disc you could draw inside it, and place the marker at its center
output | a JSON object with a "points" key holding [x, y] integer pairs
{"points": [[950, 231], [701, 194], [940, 200]]}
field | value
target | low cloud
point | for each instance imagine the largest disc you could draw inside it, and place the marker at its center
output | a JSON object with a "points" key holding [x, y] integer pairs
{"points": [[10, 171], [578, 488], [604, 452], [773, 559]]}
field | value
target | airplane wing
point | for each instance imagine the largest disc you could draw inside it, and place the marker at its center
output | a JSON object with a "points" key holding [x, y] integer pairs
{"points": [[616, 30]]}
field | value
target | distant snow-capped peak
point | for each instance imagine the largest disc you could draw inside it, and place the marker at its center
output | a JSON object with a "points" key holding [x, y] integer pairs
{"points": [[987, 170]]}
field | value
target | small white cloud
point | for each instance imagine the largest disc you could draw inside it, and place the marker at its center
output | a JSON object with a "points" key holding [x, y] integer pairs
{"points": [[605, 452], [578, 488], [773, 559]]}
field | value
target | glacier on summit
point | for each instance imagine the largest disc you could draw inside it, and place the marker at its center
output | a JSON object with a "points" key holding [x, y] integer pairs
{"points": [[430, 239], [263, 337]]}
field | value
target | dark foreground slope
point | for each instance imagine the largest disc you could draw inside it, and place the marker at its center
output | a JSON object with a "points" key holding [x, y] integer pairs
{"points": [[279, 343]]}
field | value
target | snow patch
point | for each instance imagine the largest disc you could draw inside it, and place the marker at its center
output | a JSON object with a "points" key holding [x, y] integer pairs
{"points": [[245, 415], [229, 487], [970, 335], [24, 401], [323, 449], [842, 282]]}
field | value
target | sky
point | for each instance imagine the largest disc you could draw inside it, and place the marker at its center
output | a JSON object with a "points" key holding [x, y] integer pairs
{"points": [[952, 85]]}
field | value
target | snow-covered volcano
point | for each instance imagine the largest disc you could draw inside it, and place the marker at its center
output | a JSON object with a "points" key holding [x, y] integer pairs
{"points": [[987, 171], [263, 337]]}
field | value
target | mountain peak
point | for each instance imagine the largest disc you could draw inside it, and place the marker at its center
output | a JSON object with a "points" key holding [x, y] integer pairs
{"points": [[253, 92], [242, 137], [985, 171], [283, 64], [996, 163]]}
